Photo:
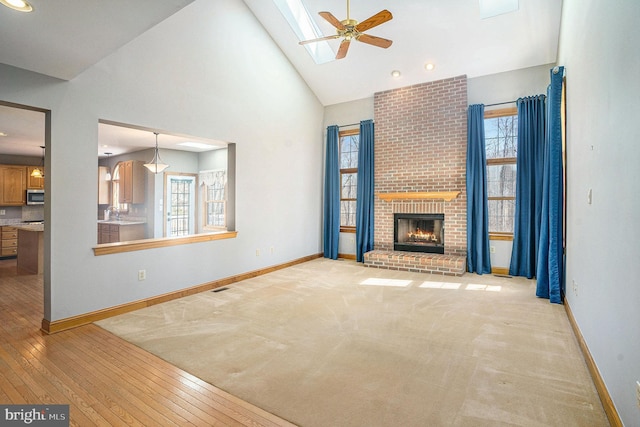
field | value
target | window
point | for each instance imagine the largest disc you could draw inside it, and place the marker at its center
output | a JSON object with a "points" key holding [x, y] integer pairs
{"points": [[501, 143], [115, 190], [349, 143], [214, 200]]}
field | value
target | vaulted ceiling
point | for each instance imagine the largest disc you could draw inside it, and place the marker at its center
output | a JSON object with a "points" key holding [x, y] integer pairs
{"points": [[62, 39], [451, 34]]}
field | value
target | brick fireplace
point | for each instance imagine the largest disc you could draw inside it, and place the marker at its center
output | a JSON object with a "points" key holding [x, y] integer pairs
{"points": [[420, 155]]}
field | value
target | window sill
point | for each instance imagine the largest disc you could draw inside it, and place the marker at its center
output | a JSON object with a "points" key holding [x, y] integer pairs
{"points": [[500, 236], [140, 245], [347, 230]]}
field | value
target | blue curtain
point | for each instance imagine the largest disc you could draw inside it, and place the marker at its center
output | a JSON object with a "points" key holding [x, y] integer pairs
{"points": [[478, 258], [530, 166], [550, 271], [364, 201], [331, 233]]}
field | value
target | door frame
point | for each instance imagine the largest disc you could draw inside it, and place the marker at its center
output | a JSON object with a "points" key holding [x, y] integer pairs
{"points": [[167, 202]]}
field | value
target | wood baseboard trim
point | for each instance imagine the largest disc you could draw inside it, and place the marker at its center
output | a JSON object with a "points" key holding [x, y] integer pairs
{"points": [[601, 388], [347, 256], [500, 270], [56, 326]]}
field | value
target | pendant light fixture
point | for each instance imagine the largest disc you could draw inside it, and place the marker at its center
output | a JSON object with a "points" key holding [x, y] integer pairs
{"points": [[107, 177], [38, 171], [156, 165]]}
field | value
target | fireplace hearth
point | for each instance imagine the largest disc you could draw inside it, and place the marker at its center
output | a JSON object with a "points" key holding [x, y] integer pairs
{"points": [[418, 232]]}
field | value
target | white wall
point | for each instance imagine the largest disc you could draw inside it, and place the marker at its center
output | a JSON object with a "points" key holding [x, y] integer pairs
{"points": [[599, 47], [185, 75], [508, 86], [213, 160], [346, 113]]}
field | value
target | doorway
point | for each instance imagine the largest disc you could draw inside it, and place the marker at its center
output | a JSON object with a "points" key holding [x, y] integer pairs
{"points": [[25, 132], [180, 194]]}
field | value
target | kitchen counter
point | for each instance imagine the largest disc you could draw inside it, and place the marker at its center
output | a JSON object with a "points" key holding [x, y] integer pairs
{"points": [[29, 227], [118, 230], [30, 248]]}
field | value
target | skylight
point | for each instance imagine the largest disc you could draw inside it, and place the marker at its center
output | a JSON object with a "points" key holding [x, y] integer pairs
{"points": [[491, 8], [305, 28]]}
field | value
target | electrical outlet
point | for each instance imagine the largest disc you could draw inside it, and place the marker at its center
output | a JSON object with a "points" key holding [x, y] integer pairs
{"points": [[272, 249], [638, 393], [3, 212], [492, 249], [142, 274], [574, 285], [257, 252]]}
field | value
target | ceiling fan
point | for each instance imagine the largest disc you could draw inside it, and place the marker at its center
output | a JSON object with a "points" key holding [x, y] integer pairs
{"points": [[349, 29]]}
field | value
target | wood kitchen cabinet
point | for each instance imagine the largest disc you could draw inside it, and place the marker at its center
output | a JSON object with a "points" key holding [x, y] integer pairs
{"points": [[33, 182], [9, 241], [113, 233], [132, 182], [12, 185]]}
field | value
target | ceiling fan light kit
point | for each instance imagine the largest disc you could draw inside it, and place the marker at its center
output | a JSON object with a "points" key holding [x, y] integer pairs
{"points": [[350, 29]]}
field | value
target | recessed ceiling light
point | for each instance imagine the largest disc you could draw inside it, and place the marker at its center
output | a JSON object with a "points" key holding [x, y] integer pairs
{"points": [[3, 134], [395, 73], [19, 5], [429, 66]]}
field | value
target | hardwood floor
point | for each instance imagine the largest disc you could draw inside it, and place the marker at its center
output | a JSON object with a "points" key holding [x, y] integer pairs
{"points": [[105, 380]]}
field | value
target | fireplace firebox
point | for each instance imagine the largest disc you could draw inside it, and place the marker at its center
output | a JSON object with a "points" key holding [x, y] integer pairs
{"points": [[418, 232]]}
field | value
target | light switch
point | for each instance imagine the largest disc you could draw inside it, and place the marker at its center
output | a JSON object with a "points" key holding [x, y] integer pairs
{"points": [[589, 196]]}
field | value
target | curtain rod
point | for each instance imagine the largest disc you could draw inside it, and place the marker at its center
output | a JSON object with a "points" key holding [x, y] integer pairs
{"points": [[352, 124], [500, 103]]}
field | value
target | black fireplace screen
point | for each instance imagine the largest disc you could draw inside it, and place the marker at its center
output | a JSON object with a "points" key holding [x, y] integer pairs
{"points": [[418, 232]]}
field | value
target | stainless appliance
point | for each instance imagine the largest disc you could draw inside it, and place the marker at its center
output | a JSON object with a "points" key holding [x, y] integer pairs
{"points": [[35, 197]]}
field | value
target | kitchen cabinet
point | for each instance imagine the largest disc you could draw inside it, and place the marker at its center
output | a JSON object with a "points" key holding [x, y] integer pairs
{"points": [[33, 182], [120, 231], [132, 182], [12, 185], [9, 241], [104, 187]]}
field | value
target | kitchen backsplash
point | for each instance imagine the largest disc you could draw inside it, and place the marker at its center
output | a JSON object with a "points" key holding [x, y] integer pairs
{"points": [[17, 214]]}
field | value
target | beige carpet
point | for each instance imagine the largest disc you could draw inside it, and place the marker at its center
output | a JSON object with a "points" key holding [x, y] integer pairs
{"points": [[332, 343]]}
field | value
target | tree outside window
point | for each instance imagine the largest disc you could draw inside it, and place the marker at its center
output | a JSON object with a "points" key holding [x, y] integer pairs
{"points": [[501, 144], [349, 144]]}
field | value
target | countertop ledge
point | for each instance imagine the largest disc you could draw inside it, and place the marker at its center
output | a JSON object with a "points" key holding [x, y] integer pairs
{"points": [[120, 222], [29, 227]]}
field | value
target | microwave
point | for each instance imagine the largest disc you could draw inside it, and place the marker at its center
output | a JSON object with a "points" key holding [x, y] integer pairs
{"points": [[35, 197]]}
